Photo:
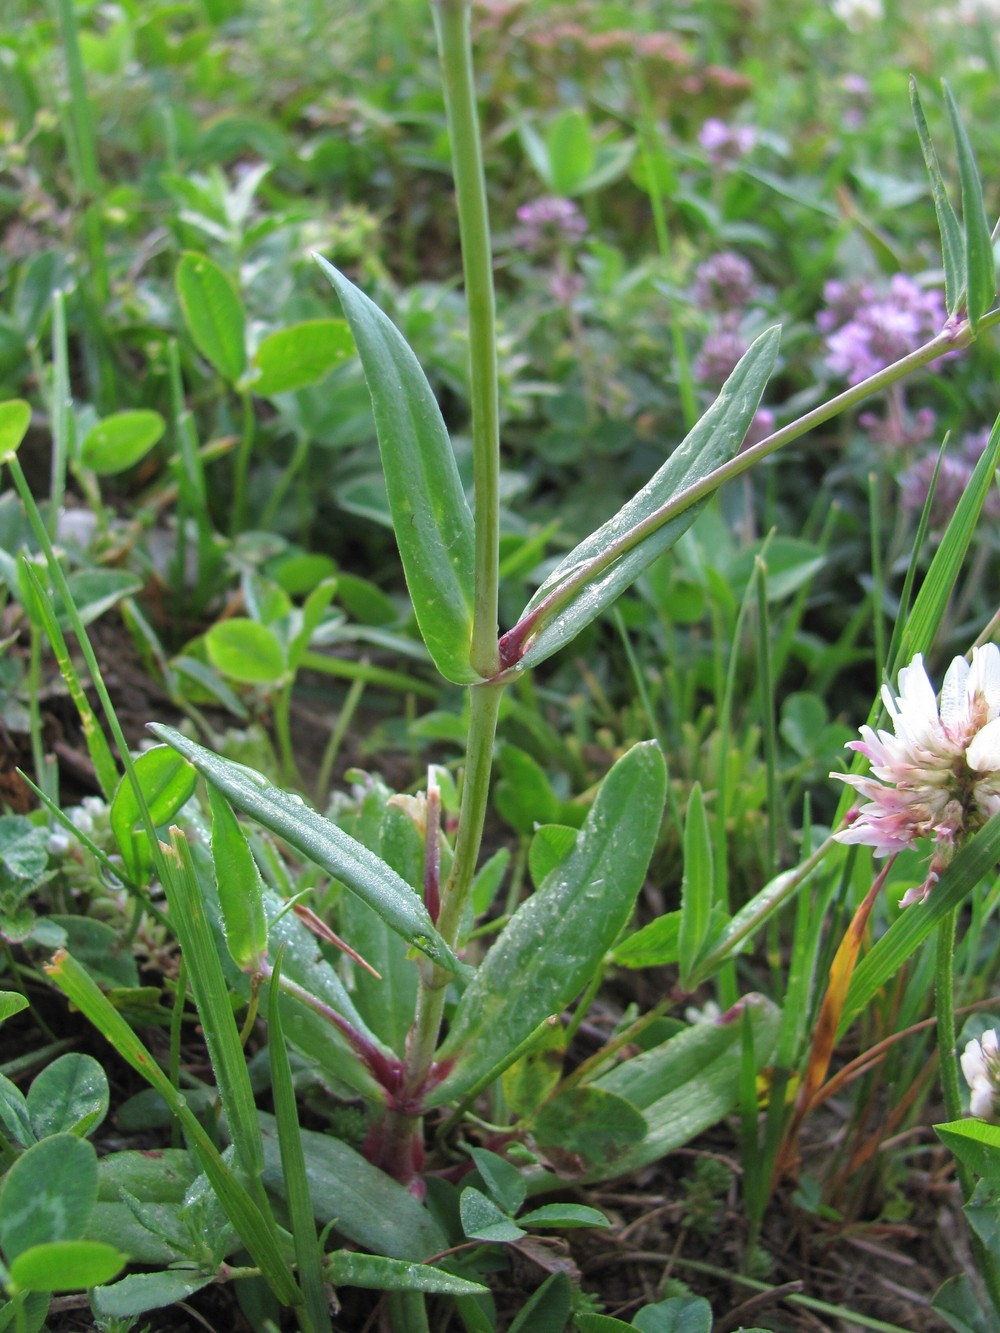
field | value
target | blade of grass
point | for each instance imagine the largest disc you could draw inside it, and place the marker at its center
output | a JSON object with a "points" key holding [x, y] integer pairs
{"points": [[980, 270], [257, 1235], [308, 1250], [952, 244]]}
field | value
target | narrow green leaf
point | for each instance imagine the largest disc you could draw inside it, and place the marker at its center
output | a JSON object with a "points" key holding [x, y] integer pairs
{"points": [[430, 514], [297, 356], [239, 884], [245, 651], [142, 1292], [696, 886], [347, 1268], [213, 313], [604, 564], [971, 865], [320, 840], [558, 938], [119, 441], [308, 1252], [240, 1208], [564, 1215], [980, 269], [547, 1309], [952, 242], [66, 1265], [15, 417], [939, 583], [687, 1083], [211, 995]]}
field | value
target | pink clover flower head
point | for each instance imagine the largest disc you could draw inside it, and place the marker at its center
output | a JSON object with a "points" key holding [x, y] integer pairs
{"points": [[724, 143], [981, 1066], [725, 282], [882, 330], [936, 775], [719, 355], [548, 223]]}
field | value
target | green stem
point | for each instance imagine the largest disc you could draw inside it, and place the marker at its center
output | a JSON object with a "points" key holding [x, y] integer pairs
{"points": [[240, 501], [485, 705], [454, 45]]}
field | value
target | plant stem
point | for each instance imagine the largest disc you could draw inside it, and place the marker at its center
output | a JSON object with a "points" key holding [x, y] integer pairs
{"points": [[485, 704], [451, 21], [452, 27]]}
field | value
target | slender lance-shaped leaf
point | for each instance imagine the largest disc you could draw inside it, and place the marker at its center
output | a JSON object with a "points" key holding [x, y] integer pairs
{"points": [[980, 269], [430, 514], [696, 889], [320, 840], [556, 940], [241, 889], [211, 994], [258, 1237], [308, 1253], [952, 243], [589, 579]]}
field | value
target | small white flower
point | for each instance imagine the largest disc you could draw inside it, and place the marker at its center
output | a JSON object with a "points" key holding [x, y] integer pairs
{"points": [[981, 1066], [936, 775]]}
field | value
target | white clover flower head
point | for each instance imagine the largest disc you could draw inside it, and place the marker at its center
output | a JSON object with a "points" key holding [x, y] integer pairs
{"points": [[937, 774], [981, 1066]]}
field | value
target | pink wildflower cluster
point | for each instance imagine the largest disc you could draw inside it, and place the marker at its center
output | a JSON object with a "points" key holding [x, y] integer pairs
{"points": [[953, 479], [938, 775], [866, 332], [726, 144], [548, 223]]}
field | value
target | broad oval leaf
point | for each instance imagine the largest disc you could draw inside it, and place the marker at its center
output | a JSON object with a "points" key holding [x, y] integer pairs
{"points": [[15, 416], [589, 579], [66, 1265], [245, 651], [167, 781], [299, 355], [48, 1194], [430, 514], [213, 313], [69, 1096], [119, 441], [320, 840], [557, 938]]}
